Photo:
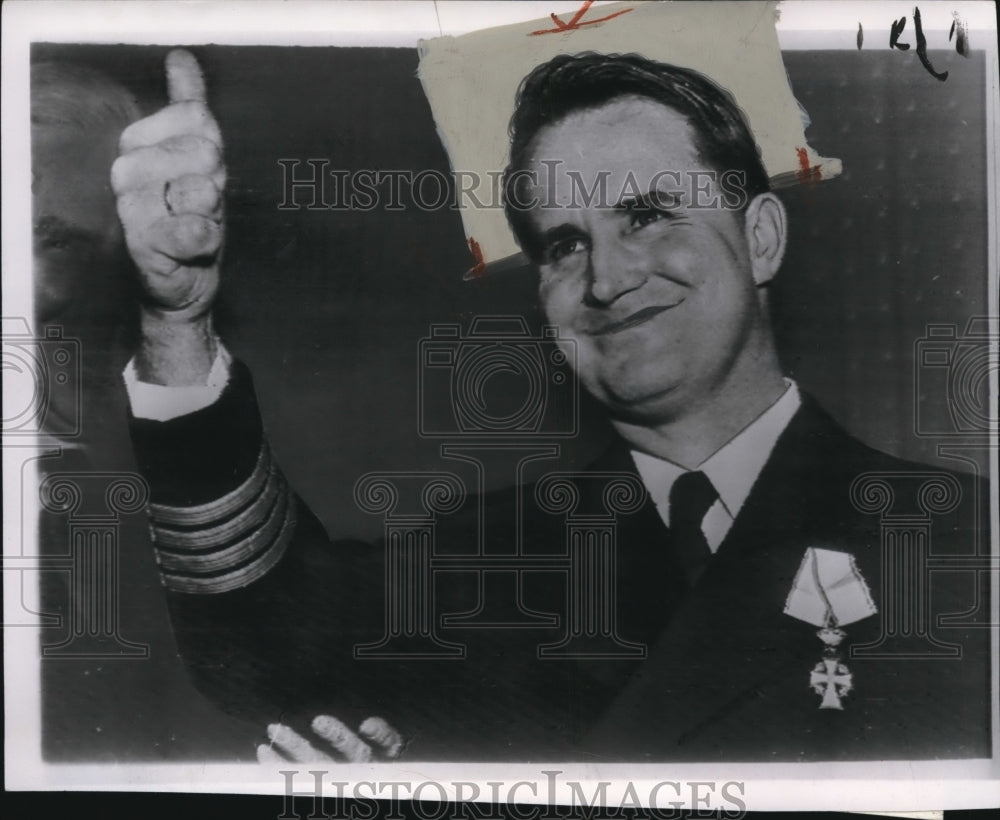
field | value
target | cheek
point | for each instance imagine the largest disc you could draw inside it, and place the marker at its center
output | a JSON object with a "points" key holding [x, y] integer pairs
{"points": [[695, 253], [54, 283], [59, 272], [560, 298]]}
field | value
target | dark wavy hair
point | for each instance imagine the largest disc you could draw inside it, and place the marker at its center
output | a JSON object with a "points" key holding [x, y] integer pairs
{"points": [[573, 82]]}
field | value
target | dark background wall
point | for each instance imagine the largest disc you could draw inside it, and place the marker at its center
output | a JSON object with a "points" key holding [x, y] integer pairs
{"points": [[328, 307]]}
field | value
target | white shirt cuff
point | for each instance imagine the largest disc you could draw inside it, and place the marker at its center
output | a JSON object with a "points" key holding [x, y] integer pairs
{"points": [[162, 403]]}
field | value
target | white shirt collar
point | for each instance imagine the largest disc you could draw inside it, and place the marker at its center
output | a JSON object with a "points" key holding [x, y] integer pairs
{"points": [[734, 467]]}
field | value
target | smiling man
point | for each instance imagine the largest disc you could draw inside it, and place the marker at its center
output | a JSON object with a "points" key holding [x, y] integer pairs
{"points": [[661, 283], [750, 528], [664, 297]]}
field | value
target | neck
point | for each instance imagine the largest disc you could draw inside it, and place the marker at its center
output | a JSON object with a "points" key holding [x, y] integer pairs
{"points": [[692, 436]]}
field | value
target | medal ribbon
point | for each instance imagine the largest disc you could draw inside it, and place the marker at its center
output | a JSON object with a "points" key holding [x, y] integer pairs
{"points": [[828, 590]]}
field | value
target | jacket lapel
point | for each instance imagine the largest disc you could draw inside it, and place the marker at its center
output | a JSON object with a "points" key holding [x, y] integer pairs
{"points": [[729, 640]]}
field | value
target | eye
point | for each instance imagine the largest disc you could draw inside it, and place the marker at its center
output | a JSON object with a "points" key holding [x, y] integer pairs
{"points": [[563, 248], [55, 242], [641, 217]]}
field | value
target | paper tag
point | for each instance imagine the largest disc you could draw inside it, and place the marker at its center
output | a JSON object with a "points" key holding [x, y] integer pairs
{"points": [[828, 589], [471, 82]]}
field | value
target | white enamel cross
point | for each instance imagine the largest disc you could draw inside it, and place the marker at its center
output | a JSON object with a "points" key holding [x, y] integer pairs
{"points": [[830, 679]]}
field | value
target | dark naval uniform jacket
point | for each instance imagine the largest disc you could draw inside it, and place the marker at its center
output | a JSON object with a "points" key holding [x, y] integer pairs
{"points": [[274, 619]]}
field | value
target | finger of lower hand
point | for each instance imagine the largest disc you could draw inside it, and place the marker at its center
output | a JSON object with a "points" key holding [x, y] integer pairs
{"points": [[296, 747], [265, 754], [381, 733], [342, 739]]}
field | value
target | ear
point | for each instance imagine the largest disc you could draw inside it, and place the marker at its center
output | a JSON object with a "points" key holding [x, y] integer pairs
{"points": [[766, 225]]}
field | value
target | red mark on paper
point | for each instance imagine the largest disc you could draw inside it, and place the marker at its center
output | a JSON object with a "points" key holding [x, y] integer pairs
{"points": [[479, 268], [575, 23], [807, 172]]}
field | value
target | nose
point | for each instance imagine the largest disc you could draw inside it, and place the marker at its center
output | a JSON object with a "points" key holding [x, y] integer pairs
{"points": [[615, 270]]}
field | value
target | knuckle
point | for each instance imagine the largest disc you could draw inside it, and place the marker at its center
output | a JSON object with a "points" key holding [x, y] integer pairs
{"points": [[190, 229], [202, 153], [197, 186], [120, 175], [195, 234], [126, 206], [204, 119], [127, 139]]}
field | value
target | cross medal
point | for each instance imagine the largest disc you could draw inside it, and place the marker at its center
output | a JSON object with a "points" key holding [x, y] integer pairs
{"points": [[829, 592], [830, 678]]}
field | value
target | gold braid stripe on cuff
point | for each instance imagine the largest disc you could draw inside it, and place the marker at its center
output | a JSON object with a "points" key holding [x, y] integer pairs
{"points": [[247, 521], [245, 575], [222, 507], [239, 552]]}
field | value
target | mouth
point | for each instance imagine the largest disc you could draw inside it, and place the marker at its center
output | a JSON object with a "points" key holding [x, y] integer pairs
{"points": [[637, 318]]}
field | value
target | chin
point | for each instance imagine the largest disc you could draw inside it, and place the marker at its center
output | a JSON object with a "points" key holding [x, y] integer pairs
{"points": [[639, 401]]}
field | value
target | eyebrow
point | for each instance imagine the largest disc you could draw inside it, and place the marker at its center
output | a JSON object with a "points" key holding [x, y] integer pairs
{"points": [[560, 232], [649, 201]]}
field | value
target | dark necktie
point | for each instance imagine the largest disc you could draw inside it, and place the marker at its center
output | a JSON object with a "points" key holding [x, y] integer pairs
{"points": [[690, 499]]}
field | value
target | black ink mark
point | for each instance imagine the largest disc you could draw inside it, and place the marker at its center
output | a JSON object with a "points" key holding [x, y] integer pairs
{"points": [[861, 36], [894, 32], [962, 41], [898, 26], [922, 48]]}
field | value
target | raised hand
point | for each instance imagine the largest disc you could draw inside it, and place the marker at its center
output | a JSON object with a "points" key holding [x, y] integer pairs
{"points": [[169, 180], [374, 740]]}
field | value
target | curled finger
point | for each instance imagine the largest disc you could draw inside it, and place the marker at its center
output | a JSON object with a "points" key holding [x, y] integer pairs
{"points": [[175, 120], [167, 160], [342, 739], [186, 238], [193, 194], [140, 209], [267, 755], [383, 735], [292, 744]]}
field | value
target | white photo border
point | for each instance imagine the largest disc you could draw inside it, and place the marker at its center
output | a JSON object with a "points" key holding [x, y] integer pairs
{"points": [[887, 786]]}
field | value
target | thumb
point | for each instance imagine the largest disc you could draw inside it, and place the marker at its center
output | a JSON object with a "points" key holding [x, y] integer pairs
{"points": [[185, 81]]}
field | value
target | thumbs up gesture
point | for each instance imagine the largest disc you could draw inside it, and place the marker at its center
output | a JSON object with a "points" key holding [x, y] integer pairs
{"points": [[169, 180]]}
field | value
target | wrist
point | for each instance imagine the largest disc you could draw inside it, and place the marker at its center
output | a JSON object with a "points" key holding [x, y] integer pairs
{"points": [[173, 352]]}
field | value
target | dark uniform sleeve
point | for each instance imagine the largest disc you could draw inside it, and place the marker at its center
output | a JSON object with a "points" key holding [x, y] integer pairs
{"points": [[264, 608]]}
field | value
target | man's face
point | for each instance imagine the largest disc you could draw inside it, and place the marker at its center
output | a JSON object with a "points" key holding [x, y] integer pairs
{"points": [[660, 301], [75, 226]]}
